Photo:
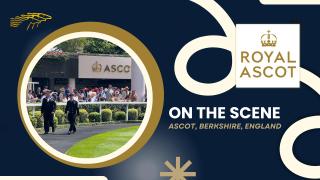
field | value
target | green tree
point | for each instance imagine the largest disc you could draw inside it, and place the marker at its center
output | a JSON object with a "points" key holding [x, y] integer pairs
{"points": [[72, 45], [89, 45], [99, 46]]}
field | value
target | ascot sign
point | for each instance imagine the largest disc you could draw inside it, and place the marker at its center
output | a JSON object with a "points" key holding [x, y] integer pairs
{"points": [[96, 67], [104, 67]]}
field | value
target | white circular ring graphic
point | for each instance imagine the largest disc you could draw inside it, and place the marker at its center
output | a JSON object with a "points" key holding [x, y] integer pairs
{"points": [[205, 89], [286, 148], [228, 43]]}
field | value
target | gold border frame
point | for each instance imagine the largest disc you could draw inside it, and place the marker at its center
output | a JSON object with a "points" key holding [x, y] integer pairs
{"points": [[146, 57]]}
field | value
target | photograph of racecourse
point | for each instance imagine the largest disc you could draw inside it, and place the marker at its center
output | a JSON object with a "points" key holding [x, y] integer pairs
{"points": [[86, 97]]}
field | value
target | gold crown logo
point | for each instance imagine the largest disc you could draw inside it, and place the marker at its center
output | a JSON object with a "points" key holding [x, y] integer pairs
{"points": [[96, 67], [268, 40]]}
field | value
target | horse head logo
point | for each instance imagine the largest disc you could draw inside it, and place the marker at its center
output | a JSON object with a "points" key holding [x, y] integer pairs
{"points": [[33, 19]]}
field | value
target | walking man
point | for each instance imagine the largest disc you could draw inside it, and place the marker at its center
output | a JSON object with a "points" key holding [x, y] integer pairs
{"points": [[72, 110], [48, 108]]}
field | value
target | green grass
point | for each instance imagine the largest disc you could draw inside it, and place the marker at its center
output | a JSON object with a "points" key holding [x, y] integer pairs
{"points": [[102, 144]]}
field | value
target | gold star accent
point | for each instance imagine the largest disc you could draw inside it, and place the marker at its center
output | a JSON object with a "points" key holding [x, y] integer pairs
{"points": [[178, 172]]}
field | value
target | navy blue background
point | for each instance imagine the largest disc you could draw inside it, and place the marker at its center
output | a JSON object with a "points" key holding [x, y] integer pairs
{"points": [[165, 27]]}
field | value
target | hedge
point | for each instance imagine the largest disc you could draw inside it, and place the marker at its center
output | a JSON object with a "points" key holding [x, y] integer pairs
{"points": [[94, 117], [38, 121], [120, 115], [132, 114], [33, 121], [55, 122], [106, 115], [83, 116], [116, 113], [59, 114], [141, 116]]}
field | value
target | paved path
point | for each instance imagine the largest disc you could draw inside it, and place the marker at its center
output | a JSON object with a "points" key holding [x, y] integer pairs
{"points": [[61, 141]]}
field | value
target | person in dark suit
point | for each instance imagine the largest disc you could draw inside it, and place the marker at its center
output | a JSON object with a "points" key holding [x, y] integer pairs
{"points": [[48, 108], [72, 110]]}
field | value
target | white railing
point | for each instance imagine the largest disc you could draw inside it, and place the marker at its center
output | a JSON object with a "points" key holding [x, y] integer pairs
{"points": [[34, 105]]}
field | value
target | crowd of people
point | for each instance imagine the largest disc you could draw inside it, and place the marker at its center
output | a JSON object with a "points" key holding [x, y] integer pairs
{"points": [[95, 94]]}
